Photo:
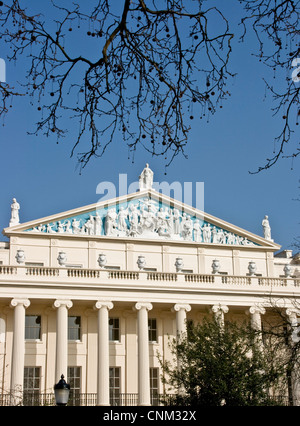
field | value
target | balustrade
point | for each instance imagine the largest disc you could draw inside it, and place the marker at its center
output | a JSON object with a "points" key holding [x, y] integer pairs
{"points": [[161, 276], [113, 275], [42, 271], [8, 270]]}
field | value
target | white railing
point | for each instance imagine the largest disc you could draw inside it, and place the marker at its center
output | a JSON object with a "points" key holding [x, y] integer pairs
{"points": [[123, 275], [107, 275], [161, 276], [8, 270], [199, 278], [42, 271], [235, 280], [83, 273]]}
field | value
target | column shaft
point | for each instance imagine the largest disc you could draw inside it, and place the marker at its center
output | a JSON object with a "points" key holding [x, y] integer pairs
{"points": [[62, 338], [143, 353], [103, 353], [18, 350], [256, 312], [181, 310]]}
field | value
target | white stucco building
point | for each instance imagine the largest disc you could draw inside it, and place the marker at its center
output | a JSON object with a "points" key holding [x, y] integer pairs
{"points": [[94, 293]]}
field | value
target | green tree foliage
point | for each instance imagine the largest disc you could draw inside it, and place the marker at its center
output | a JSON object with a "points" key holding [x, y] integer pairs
{"points": [[222, 366]]}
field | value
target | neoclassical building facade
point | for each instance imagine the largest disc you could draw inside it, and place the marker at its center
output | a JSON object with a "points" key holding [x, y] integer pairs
{"points": [[97, 292]]}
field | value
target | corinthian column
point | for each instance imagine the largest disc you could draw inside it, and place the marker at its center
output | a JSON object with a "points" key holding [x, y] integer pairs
{"points": [[103, 352], [61, 367], [181, 310], [143, 353], [18, 348]]}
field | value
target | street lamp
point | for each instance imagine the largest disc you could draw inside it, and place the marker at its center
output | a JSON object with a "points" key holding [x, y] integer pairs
{"points": [[62, 391]]}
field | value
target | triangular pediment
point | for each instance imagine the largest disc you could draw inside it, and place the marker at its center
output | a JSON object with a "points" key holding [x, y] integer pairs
{"points": [[146, 214]]}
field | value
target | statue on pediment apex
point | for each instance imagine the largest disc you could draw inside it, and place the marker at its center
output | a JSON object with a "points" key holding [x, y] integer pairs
{"points": [[146, 178]]}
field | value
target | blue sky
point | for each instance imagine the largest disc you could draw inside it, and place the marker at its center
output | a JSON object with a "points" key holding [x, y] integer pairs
{"points": [[221, 152]]}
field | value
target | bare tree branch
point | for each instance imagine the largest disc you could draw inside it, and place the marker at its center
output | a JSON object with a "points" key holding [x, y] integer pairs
{"points": [[150, 68], [155, 61], [276, 25]]}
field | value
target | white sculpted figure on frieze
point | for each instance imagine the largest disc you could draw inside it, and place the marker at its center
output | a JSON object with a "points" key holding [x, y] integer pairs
{"points": [[60, 228], [133, 220], [187, 226], [148, 219], [98, 224], [206, 233], [122, 216], [49, 228], [197, 231], [144, 218], [110, 222], [68, 227], [170, 222], [76, 226], [177, 217], [89, 226]]}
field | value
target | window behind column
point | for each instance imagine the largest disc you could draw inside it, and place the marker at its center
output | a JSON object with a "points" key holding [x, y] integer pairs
{"points": [[31, 386], [154, 385], [74, 328], [32, 327], [74, 380], [114, 329], [115, 386], [152, 330]]}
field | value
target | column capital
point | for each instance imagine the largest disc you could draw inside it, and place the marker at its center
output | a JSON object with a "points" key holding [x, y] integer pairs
{"points": [[143, 305], [178, 306], [257, 309], [292, 312], [217, 308], [103, 304], [60, 302], [24, 302]]}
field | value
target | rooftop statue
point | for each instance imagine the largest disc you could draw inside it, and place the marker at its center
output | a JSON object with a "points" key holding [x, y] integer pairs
{"points": [[266, 228], [15, 207], [146, 178]]}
